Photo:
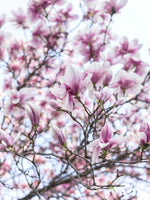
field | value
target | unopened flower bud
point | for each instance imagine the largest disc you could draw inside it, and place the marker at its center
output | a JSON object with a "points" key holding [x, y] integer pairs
{"points": [[59, 136], [34, 113]]}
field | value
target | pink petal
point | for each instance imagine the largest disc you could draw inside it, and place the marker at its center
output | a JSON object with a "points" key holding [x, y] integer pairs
{"points": [[2, 147], [58, 135], [72, 77], [122, 3], [6, 138], [142, 137], [95, 154], [106, 134], [93, 144]]}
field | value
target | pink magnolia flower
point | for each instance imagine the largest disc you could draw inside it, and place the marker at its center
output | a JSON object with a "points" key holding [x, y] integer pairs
{"points": [[63, 15], [5, 140], [127, 82], [71, 84], [14, 48], [34, 113], [105, 142], [15, 67], [94, 12], [113, 6], [17, 100], [90, 43], [113, 56], [7, 83], [104, 95], [144, 134], [19, 19], [97, 71], [72, 80], [39, 33], [35, 10], [136, 64], [58, 135], [129, 46], [106, 138]]}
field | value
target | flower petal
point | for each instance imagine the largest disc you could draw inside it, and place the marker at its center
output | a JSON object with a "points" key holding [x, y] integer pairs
{"points": [[95, 154]]}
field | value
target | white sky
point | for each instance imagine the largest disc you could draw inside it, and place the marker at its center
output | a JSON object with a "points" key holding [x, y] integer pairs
{"points": [[8, 5]]}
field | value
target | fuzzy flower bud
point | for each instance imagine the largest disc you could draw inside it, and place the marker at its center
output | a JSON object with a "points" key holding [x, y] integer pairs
{"points": [[59, 136], [34, 113]]}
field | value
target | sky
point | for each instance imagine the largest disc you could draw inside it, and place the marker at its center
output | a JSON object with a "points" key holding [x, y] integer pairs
{"points": [[9, 5]]}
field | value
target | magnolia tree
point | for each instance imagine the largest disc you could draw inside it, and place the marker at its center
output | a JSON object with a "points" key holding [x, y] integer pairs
{"points": [[74, 104]]}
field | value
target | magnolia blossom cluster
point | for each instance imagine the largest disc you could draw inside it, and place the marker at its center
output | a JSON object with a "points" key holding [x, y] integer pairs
{"points": [[105, 142], [98, 77], [75, 85]]}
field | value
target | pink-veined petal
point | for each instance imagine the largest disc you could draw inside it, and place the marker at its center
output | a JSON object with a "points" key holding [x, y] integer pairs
{"points": [[106, 134]]}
